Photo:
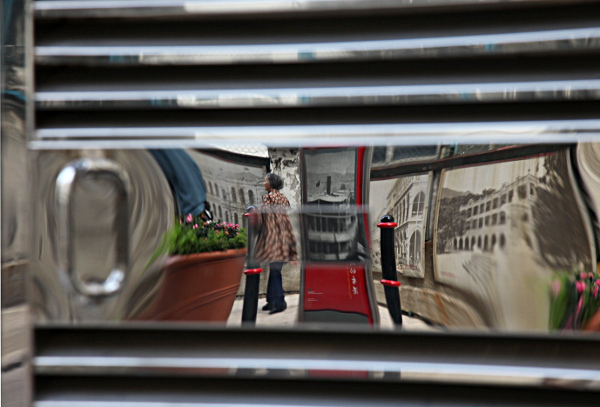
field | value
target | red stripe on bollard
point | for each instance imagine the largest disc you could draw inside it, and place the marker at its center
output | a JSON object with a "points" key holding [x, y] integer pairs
{"points": [[385, 225], [250, 272], [390, 283]]}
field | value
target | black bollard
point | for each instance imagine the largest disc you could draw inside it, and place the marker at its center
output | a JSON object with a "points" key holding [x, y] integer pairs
{"points": [[250, 307], [388, 268]]}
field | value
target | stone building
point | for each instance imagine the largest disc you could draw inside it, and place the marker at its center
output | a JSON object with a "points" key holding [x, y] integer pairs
{"points": [[501, 218]]}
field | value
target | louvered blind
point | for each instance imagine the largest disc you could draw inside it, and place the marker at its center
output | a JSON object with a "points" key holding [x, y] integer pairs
{"points": [[158, 73]]}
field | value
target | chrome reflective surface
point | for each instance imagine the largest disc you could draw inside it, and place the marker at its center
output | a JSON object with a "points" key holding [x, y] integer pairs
{"points": [[315, 97], [15, 105], [401, 134], [174, 8], [99, 170], [570, 40]]}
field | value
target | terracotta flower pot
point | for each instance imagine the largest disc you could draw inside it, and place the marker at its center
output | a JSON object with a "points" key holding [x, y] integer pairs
{"points": [[198, 287]]}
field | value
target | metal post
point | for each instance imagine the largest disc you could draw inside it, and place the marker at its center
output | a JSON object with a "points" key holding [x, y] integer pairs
{"points": [[388, 268], [252, 273]]}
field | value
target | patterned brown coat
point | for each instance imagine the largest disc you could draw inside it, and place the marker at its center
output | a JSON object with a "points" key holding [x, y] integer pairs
{"points": [[276, 241]]}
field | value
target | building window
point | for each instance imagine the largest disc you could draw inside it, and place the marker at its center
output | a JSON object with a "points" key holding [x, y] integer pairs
{"points": [[475, 210], [510, 195], [487, 206], [227, 216], [485, 244], [480, 223], [494, 219], [531, 190], [236, 218], [242, 199], [481, 208], [216, 191], [250, 197], [233, 195], [502, 199], [211, 190], [495, 203], [474, 225], [415, 248], [502, 241], [224, 194], [522, 191], [460, 244], [418, 204], [502, 218], [220, 213], [467, 243], [487, 220], [469, 213], [493, 242], [473, 243], [479, 242]]}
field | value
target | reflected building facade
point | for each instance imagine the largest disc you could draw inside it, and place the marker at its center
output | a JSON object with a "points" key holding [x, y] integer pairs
{"points": [[503, 217]]}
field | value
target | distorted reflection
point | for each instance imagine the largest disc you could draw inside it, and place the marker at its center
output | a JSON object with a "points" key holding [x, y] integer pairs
{"points": [[483, 237]]}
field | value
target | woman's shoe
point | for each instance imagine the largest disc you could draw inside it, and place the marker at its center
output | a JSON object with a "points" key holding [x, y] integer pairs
{"points": [[278, 308], [267, 307]]}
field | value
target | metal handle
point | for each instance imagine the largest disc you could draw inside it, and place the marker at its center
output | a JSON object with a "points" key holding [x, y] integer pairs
{"points": [[71, 174]]}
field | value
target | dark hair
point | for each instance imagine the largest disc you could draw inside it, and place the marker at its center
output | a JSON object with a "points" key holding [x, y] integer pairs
{"points": [[275, 181]]}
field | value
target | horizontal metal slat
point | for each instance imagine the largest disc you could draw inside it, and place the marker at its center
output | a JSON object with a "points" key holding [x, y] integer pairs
{"points": [[182, 8], [558, 41], [96, 391], [326, 96], [566, 131], [518, 360]]}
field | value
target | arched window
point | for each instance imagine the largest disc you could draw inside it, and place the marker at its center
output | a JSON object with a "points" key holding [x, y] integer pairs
{"points": [[216, 190], [502, 220], [479, 242], [485, 244], [250, 197], [242, 200], [220, 213], [227, 216], [493, 242], [236, 219], [454, 245], [211, 190], [473, 243], [415, 248], [224, 194], [467, 243], [233, 195], [418, 204], [502, 241], [460, 244]]}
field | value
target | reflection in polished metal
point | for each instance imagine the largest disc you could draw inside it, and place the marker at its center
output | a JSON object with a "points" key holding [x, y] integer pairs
{"points": [[386, 49], [326, 96], [105, 239], [516, 132], [97, 169], [500, 373], [162, 8]]}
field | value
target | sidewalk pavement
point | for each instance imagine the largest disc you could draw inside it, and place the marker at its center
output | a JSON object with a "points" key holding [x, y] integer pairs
{"points": [[289, 317]]}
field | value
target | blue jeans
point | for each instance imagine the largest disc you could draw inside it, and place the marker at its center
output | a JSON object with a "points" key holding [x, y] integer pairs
{"points": [[275, 284]]}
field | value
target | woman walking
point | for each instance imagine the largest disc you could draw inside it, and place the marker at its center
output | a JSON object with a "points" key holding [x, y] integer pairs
{"points": [[276, 243]]}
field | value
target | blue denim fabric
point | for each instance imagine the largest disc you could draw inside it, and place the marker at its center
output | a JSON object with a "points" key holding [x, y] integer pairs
{"points": [[275, 285]]}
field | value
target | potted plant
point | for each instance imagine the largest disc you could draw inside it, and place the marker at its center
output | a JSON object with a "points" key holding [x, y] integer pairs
{"points": [[202, 274]]}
